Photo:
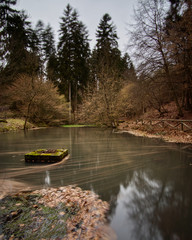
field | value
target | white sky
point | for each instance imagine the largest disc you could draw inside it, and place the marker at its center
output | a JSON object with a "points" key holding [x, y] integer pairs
{"points": [[90, 13]]}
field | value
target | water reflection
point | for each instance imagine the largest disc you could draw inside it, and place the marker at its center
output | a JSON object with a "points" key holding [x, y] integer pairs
{"points": [[152, 207], [47, 179], [147, 182]]}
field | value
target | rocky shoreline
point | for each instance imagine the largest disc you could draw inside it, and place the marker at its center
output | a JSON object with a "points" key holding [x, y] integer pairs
{"points": [[55, 213]]}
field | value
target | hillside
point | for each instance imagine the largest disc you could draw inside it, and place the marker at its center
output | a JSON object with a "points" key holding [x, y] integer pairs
{"points": [[156, 130]]}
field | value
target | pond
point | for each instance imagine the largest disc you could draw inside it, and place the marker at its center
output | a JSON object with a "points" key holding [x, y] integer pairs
{"points": [[147, 182]]}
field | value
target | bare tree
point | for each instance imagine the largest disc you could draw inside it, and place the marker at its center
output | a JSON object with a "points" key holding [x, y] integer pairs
{"points": [[179, 39], [101, 105], [36, 99], [151, 48], [130, 101]]}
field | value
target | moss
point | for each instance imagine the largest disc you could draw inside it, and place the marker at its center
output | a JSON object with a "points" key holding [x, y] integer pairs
{"points": [[43, 156], [22, 217], [12, 124], [75, 126]]}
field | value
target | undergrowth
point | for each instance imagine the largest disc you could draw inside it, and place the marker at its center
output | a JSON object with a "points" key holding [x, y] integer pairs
{"points": [[22, 217]]}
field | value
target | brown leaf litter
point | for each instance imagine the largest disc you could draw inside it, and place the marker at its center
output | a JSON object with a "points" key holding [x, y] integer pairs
{"points": [[88, 213]]}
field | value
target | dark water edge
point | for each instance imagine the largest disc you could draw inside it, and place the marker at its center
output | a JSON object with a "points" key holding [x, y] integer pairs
{"points": [[147, 182]]}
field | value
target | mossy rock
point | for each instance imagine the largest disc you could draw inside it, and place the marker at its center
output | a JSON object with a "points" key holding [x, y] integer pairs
{"points": [[46, 156]]}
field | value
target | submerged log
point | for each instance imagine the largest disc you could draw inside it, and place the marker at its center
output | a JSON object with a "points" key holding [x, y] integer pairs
{"points": [[46, 156]]}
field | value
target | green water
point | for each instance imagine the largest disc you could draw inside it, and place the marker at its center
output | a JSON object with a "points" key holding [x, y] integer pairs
{"points": [[147, 182]]}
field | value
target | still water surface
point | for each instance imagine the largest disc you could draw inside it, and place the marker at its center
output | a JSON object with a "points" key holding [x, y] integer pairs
{"points": [[147, 182]]}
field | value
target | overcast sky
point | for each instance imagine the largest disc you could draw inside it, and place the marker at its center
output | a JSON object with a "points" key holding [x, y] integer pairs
{"points": [[90, 13]]}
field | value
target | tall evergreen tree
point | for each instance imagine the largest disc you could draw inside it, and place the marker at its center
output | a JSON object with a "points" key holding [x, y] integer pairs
{"points": [[49, 53], [6, 11], [38, 44], [173, 13], [127, 68], [21, 48], [106, 35], [107, 45], [106, 54], [39, 29], [73, 53], [16, 47], [42, 46], [108, 73], [48, 42]]}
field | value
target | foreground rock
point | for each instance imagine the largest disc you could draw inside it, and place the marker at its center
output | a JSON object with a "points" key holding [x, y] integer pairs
{"points": [[55, 213]]}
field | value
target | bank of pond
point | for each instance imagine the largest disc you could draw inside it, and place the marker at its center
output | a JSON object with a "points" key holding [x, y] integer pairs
{"points": [[144, 185]]}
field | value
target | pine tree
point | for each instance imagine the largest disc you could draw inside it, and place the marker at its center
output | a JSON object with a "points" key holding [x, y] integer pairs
{"points": [[106, 54], [21, 49], [108, 73], [38, 33], [73, 53], [16, 45], [106, 35], [107, 45], [127, 68], [48, 43], [173, 13], [42, 46], [6, 11], [49, 53]]}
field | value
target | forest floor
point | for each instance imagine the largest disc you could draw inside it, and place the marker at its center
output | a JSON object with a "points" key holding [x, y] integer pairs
{"points": [[166, 133], [13, 124], [55, 213]]}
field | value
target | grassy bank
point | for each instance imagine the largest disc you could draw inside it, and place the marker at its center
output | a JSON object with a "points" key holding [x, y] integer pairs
{"points": [[12, 124], [55, 213]]}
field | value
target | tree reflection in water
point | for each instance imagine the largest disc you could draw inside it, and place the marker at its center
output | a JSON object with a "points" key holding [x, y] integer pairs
{"points": [[47, 179], [156, 208]]}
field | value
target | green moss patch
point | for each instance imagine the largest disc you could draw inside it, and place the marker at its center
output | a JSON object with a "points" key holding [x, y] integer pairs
{"points": [[54, 213], [75, 126], [13, 125], [22, 217], [46, 155]]}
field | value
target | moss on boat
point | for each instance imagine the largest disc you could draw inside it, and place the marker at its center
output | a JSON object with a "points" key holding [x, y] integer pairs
{"points": [[46, 155]]}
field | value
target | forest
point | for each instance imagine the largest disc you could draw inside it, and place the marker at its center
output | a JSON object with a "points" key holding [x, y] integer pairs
{"points": [[44, 81]]}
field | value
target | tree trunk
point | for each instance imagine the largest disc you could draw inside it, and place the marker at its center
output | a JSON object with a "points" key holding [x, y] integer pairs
{"points": [[69, 102], [28, 111], [27, 116], [169, 81]]}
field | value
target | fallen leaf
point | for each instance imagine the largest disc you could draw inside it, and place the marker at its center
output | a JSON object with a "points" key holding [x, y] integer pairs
{"points": [[62, 213]]}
